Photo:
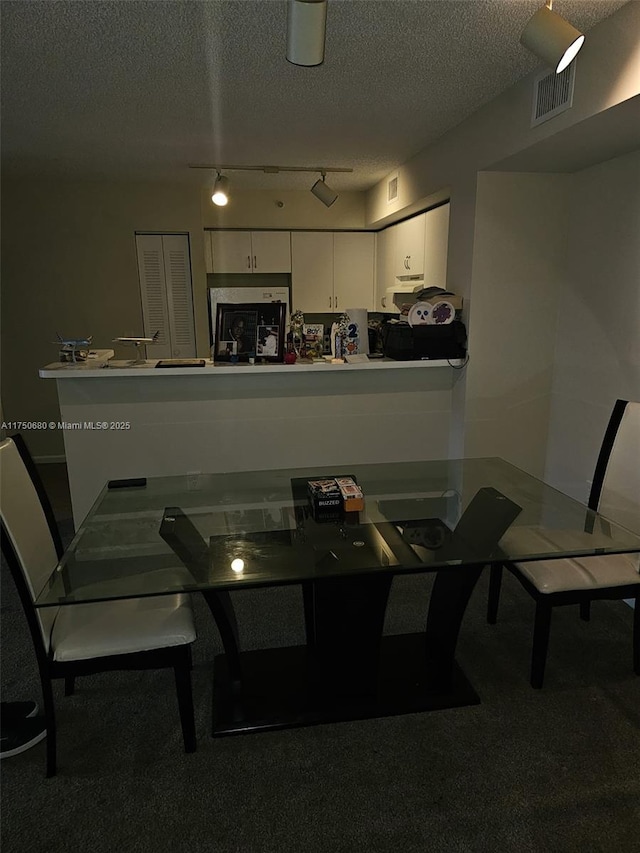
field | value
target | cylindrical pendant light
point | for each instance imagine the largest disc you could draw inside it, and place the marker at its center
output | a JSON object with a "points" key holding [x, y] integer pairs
{"points": [[552, 39], [324, 192], [220, 195], [306, 26]]}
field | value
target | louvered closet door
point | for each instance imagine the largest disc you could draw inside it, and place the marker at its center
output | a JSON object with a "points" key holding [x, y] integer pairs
{"points": [[165, 290], [177, 271], [153, 292]]}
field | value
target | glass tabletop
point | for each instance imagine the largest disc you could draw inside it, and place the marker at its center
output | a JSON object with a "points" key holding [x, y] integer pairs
{"points": [[261, 528]]}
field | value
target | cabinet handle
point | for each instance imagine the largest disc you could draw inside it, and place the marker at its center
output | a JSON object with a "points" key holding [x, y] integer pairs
{"points": [[255, 263], [408, 262], [249, 262], [336, 301], [330, 300]]}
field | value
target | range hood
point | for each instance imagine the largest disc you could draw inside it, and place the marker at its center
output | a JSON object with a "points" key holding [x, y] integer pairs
{"points": [[407, 284]]}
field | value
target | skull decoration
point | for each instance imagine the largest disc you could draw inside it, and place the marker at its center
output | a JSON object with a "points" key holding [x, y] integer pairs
{"points": [[420, 314]]}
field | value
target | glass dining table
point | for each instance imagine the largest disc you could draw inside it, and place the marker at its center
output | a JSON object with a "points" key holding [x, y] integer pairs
{"points": [[219, 534]]}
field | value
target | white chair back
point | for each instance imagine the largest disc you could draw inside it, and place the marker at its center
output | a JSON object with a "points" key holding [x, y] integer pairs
{"points": [[26, 526], [620, 496]]}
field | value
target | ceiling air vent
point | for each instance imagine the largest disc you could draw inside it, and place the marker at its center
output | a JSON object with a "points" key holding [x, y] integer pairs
{"points": [[552, 94], [392, 189]]}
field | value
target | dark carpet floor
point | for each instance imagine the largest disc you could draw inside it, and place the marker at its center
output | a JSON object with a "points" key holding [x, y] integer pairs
{"points": [[551, 770]]}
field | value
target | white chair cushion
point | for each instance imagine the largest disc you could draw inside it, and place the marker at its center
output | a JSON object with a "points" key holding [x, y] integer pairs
{"points": [[543, 542], [83, 631], [582, 572]]}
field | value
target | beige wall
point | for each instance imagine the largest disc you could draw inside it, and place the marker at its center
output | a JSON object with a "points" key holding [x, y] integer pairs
{"points": [[69, 266], [259, 209], [597, 357], [518, 270]]}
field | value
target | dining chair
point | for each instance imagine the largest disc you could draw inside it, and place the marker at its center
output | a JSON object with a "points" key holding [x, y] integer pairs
{"points": [[83, 639], [615, 493]]}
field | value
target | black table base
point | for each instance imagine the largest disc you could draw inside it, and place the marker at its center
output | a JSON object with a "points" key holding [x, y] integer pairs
{"points": [[278, 690]]}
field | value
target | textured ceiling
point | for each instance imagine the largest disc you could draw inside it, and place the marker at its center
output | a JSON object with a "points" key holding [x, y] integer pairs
{"points": [[139, 89]]}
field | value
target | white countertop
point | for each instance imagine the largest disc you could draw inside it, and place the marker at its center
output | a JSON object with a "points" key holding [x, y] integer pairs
{"points": [[110, 368]]}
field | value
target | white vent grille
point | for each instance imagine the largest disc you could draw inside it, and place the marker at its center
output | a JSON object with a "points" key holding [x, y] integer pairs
{"points": [[552, 94], [392, 189]]}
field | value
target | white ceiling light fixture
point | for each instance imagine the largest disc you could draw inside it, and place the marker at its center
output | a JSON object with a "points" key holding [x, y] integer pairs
{"points": [[551, 38], [220, 195], [324, 192], [306, 28]]}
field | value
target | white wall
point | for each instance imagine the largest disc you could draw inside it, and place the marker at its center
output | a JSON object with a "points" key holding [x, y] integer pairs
{"points": [[518, 265], [597, 355]]}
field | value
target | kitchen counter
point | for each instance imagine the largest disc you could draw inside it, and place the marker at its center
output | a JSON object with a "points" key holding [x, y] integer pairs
{"points": [[119, 369], [143, 422]]}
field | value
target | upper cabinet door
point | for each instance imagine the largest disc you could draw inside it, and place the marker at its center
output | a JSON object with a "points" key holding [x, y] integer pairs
{"points": [[353, 270], [271, 251], [385, 269], [436, 244], [231, 251], [312, 271], [410, 246]]}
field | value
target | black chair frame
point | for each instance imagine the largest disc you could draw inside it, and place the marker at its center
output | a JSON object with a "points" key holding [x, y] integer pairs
{"points": [[176, 657], [545, 602]]}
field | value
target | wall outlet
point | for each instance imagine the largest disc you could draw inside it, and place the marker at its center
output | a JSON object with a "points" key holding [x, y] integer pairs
{"points": [[193, 480]]}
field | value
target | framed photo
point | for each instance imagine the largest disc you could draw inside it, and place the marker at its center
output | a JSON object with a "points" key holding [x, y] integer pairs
{"points": [[247, 329]]}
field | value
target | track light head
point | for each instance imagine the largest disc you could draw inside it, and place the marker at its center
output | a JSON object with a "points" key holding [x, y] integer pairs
{"points": [[306, 27], [324, 192], [552, 39], [220, 195]]}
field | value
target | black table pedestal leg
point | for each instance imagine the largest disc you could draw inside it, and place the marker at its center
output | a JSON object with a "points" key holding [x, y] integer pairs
{"points": [[449, 598], [224, 616], [345, 621]]}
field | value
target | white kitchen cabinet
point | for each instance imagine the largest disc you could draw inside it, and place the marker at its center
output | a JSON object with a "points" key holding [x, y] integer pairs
{"points": [[353, 270], [385, 269], [331, 271], [271, 251], [436, 244], [312, 271], [247, 251], [409, 249]]}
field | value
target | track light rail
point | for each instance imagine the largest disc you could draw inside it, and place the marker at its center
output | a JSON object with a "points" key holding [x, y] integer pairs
{"points": [[273, 170]]}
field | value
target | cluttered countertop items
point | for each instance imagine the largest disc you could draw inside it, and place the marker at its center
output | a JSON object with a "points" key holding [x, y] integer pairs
{"points": [[248, 336]]}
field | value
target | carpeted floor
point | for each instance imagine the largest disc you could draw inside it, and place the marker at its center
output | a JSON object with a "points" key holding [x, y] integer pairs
{"points": [[551, 770]]}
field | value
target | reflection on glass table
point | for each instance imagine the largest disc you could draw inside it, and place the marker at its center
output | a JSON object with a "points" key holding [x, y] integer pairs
{"points": [[222, 533]]}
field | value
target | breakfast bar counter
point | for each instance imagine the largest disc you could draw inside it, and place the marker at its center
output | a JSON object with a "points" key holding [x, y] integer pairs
{"points": [[125, 420]]}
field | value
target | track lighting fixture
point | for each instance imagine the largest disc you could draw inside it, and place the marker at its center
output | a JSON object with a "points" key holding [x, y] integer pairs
{"points": [[220, 195], [551, 38], [320, 189], [324, 192], [306, 27]]}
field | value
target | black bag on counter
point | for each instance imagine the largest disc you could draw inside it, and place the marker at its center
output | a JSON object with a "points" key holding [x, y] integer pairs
{"points": [[403, 342]]}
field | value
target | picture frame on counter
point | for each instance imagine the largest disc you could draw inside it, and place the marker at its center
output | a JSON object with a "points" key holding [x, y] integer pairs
{"points": [[250, 330]]}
